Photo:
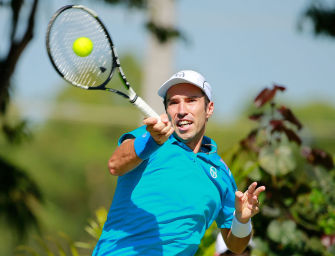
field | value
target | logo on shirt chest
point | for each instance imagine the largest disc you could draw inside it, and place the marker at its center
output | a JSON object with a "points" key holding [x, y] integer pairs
{"points": [[213, 172]]}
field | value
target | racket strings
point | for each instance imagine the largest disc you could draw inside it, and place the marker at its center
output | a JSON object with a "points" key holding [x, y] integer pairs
{"points": [[92, 70]]}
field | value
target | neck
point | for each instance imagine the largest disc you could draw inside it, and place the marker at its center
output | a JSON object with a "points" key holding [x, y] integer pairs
{"points": [[195, 143]]}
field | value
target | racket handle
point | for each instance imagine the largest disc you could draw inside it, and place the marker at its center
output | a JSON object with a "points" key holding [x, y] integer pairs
{"points": [[145, 108]]}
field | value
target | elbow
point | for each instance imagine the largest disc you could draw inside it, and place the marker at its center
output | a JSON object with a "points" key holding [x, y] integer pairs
{"points": [[235, 244], [113, 168], [237, 250], [234, 249]]}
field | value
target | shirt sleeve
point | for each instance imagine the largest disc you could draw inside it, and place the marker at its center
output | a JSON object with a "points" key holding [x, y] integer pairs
{"points": [[226, 213], [133, 134]]}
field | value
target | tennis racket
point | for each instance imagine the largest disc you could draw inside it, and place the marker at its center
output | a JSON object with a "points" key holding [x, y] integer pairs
{"points": [[94, 71]]}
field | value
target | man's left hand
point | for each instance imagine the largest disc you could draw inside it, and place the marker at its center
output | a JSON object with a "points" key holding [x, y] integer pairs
{"points": [[247, 204]]}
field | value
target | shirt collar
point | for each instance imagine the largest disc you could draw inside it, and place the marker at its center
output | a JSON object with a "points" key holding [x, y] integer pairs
{"points": [[208, 151], [208, 146]]}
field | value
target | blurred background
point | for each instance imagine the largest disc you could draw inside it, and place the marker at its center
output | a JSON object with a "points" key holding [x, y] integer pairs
{"points": [[55, 139]]}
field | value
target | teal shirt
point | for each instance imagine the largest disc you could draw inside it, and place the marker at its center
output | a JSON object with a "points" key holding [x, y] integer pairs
{"points": [[165, 205]]}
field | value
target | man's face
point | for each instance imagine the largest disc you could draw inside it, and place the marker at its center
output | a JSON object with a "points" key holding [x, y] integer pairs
{"points": [[188, 113]]}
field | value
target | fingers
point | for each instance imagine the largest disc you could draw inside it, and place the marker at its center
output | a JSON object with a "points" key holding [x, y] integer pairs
{"points": [[252, 191], [150, 121], [164, 118], [247, 204], [160, 131], [159, 128], [259, 190], [252, 195], [252, 187], [239, 195], [238, 200]]}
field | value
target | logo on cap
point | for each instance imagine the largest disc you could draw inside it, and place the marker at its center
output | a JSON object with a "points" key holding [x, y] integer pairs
{"points": [[204, 84], [179, 74]]}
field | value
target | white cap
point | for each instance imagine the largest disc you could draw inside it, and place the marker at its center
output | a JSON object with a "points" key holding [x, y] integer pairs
{"points": [[187, 76]]}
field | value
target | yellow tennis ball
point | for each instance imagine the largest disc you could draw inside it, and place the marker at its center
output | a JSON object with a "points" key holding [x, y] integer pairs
{"points": [[82, 46]]}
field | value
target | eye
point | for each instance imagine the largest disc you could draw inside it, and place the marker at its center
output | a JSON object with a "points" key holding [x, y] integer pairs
{"points": [[172, 102], [193, 99]]}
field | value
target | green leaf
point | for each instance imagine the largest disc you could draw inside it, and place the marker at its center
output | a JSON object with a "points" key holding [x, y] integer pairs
{"points": [[84, 245], [101, 215], [44, 246], [95, 227], [261, 248], [277, 160], [74, 251], [316, 197], [253, 171], [61, 251], [24, 248], [285, 233]]}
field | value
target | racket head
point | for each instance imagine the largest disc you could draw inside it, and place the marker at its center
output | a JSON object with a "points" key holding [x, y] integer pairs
{"points": [[68, 24]]}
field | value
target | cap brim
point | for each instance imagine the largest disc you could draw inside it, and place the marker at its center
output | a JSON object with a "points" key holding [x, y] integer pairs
{"points": [[168, 84]]}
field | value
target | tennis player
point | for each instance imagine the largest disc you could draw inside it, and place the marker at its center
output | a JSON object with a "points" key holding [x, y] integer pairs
{"points": [[173, 185]]}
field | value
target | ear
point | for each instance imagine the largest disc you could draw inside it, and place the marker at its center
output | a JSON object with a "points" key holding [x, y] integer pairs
{"points": [[210, 109]]}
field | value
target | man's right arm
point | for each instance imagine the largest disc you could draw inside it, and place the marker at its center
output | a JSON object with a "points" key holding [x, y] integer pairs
{"points": [[125, 158]]}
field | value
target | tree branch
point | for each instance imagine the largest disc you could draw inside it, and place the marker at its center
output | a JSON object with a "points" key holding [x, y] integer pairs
{"points": [[7, 66]]}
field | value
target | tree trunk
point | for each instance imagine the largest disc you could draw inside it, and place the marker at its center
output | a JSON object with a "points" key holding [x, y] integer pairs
{"points": [[158, 66]]}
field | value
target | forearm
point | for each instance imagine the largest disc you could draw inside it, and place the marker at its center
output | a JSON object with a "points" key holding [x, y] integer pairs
{"points": [[246, 206], [133, 151], [235, 244], [123, 159]]}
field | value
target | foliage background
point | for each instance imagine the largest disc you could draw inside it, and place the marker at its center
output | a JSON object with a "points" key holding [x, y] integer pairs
{"points": [[79, 184], [61, 175]]}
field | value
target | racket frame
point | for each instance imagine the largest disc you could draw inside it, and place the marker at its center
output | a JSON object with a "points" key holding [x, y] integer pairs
{"points": [[131, 94], [115, 57]]}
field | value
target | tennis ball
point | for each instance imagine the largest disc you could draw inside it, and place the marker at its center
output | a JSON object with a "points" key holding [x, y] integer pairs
{"points": [[82, 46]]}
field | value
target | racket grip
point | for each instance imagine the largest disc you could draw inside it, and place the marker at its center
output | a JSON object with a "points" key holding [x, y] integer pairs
{"points": [[145, 108]]}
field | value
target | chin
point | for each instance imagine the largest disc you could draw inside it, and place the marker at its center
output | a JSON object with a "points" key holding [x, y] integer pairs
{"points": [[183, 138]]}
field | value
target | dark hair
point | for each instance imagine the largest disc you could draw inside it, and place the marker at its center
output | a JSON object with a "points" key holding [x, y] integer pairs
{"points": [[206, 100]]}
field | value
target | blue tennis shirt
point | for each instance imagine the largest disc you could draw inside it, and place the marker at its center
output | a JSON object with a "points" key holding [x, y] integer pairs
{"points": [[165, 204]]}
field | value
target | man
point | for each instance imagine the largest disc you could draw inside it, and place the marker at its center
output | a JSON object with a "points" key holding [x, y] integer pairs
{"points": [[172, 183]]}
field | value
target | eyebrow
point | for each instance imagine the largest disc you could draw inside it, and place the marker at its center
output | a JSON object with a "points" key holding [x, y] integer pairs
{"points": [[188, 97]]}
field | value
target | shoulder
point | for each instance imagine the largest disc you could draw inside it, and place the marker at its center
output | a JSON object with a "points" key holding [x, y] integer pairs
{"points": [[133, 134]]}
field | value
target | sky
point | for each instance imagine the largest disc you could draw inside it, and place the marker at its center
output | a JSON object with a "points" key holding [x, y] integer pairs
{"points": [[240, 46]]}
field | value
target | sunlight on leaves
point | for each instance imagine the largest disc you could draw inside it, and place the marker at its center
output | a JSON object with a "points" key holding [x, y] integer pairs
{"points": [[277, 161]]}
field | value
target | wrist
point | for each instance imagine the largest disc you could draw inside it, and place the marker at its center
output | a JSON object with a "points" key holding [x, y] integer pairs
{"points": [[240, 229], [239, 219], [145, 145]]}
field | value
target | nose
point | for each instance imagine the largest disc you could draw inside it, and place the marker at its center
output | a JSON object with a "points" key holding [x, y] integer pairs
{"points": [[182, 109]]}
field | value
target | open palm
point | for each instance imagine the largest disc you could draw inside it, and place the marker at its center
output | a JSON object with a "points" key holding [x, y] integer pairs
{"points": [[247, 204]]}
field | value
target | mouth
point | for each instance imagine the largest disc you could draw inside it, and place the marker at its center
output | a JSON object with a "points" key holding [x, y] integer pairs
{"points": [[184, 124]]}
